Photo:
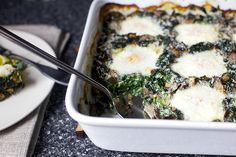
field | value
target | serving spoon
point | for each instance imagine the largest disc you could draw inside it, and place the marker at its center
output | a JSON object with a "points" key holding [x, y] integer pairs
{"points": [[34, 49]]}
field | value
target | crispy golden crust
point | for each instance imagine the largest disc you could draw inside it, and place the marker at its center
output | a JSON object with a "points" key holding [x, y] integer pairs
{"points": [[167, 6], [112, 6], [116, 7], [163, 6]]}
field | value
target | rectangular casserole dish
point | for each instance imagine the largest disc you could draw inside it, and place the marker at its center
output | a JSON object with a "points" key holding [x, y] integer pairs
{"points": [[143, 135]]}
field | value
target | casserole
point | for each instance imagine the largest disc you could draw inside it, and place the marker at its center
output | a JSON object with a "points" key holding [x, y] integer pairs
{"points": [[142, 135]]}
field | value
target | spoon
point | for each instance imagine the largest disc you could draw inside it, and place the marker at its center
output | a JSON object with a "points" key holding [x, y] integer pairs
{"points": [[34, 49], [54, 74]]}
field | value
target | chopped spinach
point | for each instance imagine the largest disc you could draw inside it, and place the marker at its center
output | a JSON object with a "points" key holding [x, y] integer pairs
{"points": [[229, 105], [156, 82], [226, 45], [165, 60], [202, 46], [128, 84]]}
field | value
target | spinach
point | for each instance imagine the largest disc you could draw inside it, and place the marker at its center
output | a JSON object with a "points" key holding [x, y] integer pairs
{"points": [[164, 110], [202, 46], [230, 109], [120, 42], [156, 82], [165, 60], [128, 84], [230, 85], [226, 45]]}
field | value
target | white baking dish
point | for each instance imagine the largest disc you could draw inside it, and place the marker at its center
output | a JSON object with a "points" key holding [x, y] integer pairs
{"points": [[142, 135]]}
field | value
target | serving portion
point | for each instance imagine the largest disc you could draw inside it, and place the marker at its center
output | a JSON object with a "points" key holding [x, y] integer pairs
{"points": [[178, 62], [10, 75], [36, 86]]}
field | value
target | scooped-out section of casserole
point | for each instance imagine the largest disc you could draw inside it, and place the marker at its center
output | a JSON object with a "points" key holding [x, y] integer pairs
{"points": [[178, 62]]}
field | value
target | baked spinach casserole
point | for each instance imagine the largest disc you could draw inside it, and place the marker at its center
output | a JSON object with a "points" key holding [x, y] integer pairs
{"points": [[179, 62], [10, 75]]}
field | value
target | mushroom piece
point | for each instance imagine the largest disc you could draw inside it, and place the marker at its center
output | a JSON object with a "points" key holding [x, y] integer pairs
{"points": [[232, 58], [218, 84]]}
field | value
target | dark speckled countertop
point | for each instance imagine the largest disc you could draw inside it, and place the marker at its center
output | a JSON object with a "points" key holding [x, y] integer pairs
{"points": [[57, 136]]}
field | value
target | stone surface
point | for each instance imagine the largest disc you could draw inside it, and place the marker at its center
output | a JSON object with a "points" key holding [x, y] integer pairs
{"points": [[57, 135]]}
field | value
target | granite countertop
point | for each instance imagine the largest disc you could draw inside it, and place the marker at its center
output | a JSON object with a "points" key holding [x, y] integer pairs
{"points": [[57, 135]]}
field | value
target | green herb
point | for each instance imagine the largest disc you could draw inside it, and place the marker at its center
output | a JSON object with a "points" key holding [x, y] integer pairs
{"points": [[230, 85], [230, 109], [156, 82], [120, 42], [129, 84], [165, 60], [164, 110], [202, 46], [226, 45]]}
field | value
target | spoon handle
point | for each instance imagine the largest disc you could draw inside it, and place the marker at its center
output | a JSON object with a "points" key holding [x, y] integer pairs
{"points": [[32, 48]]}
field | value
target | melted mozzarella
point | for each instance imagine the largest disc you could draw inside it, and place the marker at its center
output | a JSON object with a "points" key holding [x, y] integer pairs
{"points": [[136, 59], [199, 103], [234, 37], [6, 70], [208, 63], [140, 26], [191, 34]]}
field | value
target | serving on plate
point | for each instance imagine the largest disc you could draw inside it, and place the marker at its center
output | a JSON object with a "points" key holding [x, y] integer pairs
{"points": [[10, 75], [36, 86], [166, 81]]}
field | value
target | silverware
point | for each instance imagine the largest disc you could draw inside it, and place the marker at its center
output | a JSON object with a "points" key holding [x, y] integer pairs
{"points": [[57, 75], [21, 42]]}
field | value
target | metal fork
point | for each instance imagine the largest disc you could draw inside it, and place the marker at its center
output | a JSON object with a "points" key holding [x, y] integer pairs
{"points": [[57, 75]]}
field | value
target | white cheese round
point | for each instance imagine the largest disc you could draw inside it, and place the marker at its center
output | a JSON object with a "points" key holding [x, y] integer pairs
{"points": [[140, 26], [208, 63], [191, 34], [234, 37], [199, 103], [6, 70], [136, 59]]}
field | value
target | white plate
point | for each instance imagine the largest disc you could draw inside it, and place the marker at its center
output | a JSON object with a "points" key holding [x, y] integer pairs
{"points": [[37, 86]]}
